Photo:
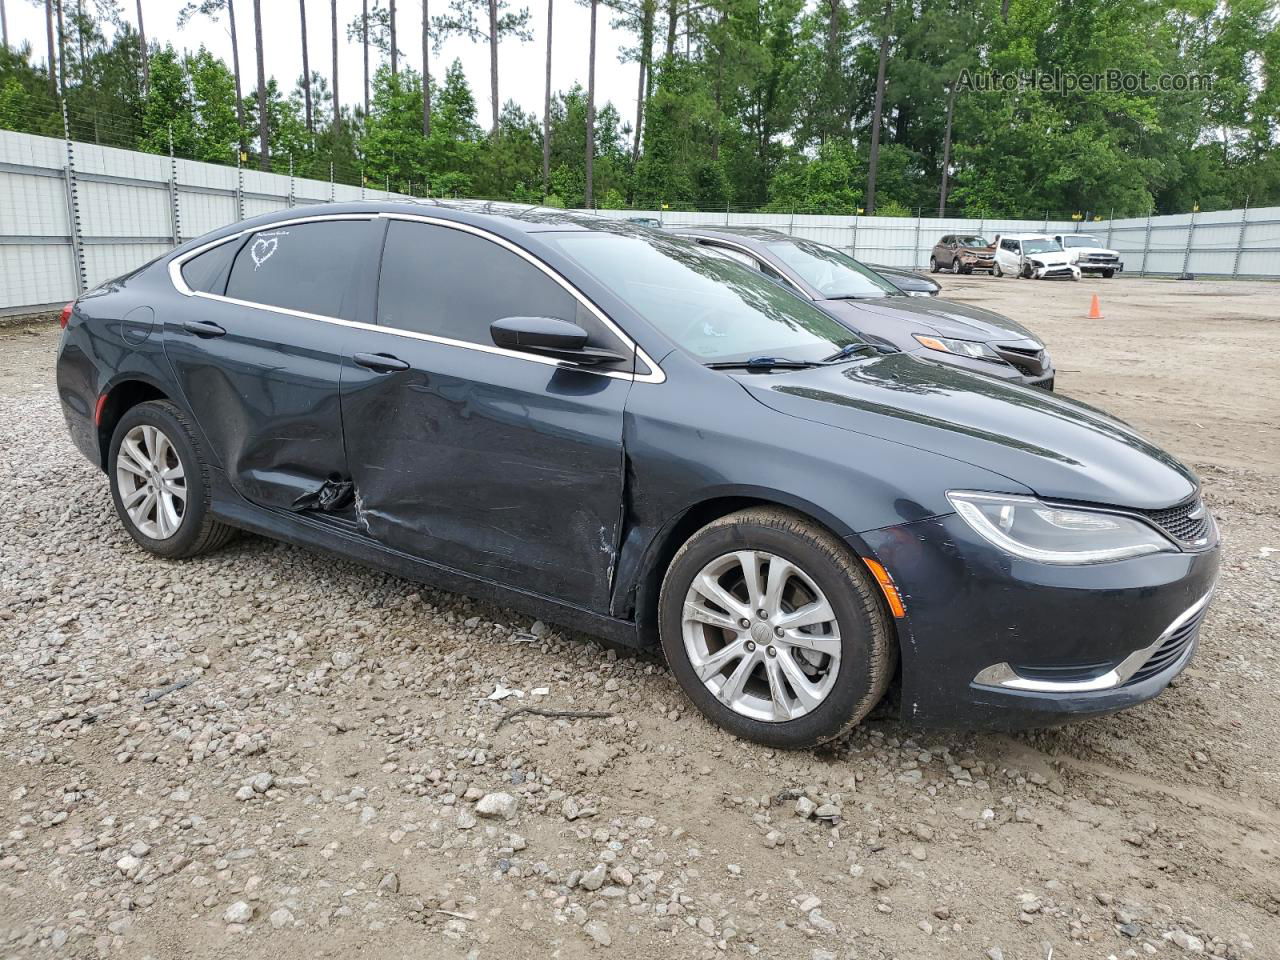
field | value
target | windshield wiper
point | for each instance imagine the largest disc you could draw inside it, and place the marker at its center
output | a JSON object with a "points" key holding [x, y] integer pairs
{"points": [[856, 348], [762, 363]]}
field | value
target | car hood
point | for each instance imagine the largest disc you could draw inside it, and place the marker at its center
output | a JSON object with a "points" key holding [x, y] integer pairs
{"points": [[1082, 251], [1051, 258], [944, 318], [1059, 448]]}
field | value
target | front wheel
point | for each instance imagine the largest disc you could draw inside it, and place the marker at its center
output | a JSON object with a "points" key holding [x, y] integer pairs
{"points": [[774, 629], [1108, 274], [955, 266]]}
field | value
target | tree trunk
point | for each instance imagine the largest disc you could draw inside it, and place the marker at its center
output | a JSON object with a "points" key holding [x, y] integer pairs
{"points": [[53, 58], [80, 36], [364, 39], [62, 51], [946, 153], [874, 160], [673, 17], [235, 70], [306, 70], [337, 109], [426, 72], [591, 105], [646, 67], [142, 47], [546, 111], [394, 52], [264, 126], [493, 62]]}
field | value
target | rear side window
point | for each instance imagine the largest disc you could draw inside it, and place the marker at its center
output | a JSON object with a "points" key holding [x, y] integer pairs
{"points": [[309, 267], [449, 283], [207, 273]]}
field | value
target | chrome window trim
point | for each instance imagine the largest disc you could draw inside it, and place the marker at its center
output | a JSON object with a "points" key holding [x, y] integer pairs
{"points": [[783, 273], [1003, 676], [656, 374]]}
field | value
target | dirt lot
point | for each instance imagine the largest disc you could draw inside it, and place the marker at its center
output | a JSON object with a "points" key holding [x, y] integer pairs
{"points": [[311, 791]]}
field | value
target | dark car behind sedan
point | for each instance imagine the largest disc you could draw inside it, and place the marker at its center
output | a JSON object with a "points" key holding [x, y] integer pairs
{"points": [[859, 297], [608, 427]]}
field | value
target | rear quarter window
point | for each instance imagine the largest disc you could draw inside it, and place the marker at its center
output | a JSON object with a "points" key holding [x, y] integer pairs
{"points": [[207, 273]]}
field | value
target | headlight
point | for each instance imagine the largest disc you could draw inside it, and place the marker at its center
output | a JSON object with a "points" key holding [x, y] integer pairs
{"points": [[965, 348], [1037, 263], [1034, 530]]}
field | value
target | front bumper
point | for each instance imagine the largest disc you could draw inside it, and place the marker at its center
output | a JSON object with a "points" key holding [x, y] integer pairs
{"points": [[1063, 271], [1117, 266], [979, 621]]}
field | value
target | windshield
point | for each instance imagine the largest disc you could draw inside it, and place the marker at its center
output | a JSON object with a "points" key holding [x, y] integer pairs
{"points": [[832, 273], [1081, 242], [972, 241], [712, 307], [1040, 246]]}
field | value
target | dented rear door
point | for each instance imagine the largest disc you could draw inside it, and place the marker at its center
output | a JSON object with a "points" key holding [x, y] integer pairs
{"points": [[503, 466], [258, 359]]}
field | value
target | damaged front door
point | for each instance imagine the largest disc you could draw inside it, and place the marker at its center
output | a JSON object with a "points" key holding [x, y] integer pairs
{"points": [[258, 368], [502, 466]]}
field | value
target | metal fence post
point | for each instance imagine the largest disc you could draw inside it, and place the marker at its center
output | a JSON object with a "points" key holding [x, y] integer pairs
{"points": [[1244, 219], [1186, 251], [1146, 246], [239, 187], [1111, 222], [175, 220], [915, 251], [853, 246], [291, 194], [73, 207], [331, 193]]}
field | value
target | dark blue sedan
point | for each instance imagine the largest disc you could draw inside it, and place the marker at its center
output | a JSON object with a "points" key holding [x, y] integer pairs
{"points": [[611, 428]]}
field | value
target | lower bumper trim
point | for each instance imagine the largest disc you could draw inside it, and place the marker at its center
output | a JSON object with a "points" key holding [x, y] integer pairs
{"points": [[1004, 677]]}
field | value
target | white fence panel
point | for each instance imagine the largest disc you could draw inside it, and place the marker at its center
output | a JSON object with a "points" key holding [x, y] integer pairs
{"points": [[126, 203]]}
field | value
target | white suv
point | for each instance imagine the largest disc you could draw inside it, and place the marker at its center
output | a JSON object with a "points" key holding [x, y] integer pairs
{"points": [[1088, 253], [1033, 255]]}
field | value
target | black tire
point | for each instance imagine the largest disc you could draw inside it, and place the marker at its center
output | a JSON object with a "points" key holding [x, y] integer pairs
{"points": [[198, 532], [933, 265], [956, 267], [868, 653], [1108, 274], [996, 271]]}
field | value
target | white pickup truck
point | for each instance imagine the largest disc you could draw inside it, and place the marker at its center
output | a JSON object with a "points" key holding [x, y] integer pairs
{"points": [[1087, 252]]}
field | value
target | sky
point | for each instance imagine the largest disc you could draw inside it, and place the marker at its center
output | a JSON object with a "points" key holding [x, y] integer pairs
{"points": [[521, 66]]}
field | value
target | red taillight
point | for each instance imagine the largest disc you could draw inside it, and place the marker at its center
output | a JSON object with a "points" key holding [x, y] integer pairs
{"points": [[66, 315]]}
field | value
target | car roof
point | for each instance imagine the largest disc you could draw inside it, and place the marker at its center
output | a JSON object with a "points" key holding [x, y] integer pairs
{"points": [[757, 234]]}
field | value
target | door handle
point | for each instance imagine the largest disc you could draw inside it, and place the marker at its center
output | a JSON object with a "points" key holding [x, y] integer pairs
{"points": [[204, 328], [379, 362]]}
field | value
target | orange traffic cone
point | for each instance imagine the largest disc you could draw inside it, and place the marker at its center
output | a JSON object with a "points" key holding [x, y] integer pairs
{"points": [[1095, 309]]}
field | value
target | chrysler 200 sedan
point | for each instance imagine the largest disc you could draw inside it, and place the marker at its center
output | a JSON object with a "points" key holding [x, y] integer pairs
{"points": [[611, 428], [875, 307]]}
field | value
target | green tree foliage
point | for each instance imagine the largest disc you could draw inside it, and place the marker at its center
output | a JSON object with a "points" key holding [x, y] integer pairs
{"points": [[758, 104]]}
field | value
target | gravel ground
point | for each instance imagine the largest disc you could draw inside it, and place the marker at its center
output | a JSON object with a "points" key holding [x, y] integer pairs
{"points": [[272, 752]]}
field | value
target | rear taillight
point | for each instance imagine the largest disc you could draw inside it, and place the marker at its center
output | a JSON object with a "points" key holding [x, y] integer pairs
{"points": [[66, 315]]}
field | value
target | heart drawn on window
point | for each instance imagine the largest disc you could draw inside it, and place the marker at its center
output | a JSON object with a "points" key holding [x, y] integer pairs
{"points": [[262, 250]]}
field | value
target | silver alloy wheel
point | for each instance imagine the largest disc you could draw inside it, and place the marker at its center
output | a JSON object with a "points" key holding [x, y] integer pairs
{"points": [[955, 265], [152, 484], [761, 636]]}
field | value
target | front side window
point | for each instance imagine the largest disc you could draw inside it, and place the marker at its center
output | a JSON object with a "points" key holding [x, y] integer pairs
{"points": [[309, 267], [453, 284], [833, 274], [711, 307]]}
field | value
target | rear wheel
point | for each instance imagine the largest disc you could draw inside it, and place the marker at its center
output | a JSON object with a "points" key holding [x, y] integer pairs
{"points": [[774, 629], [996, 271], [933, 264], [160, 485]]}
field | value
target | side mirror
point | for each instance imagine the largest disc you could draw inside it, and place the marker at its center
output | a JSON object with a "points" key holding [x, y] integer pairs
{"points": [[549, 337]]}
